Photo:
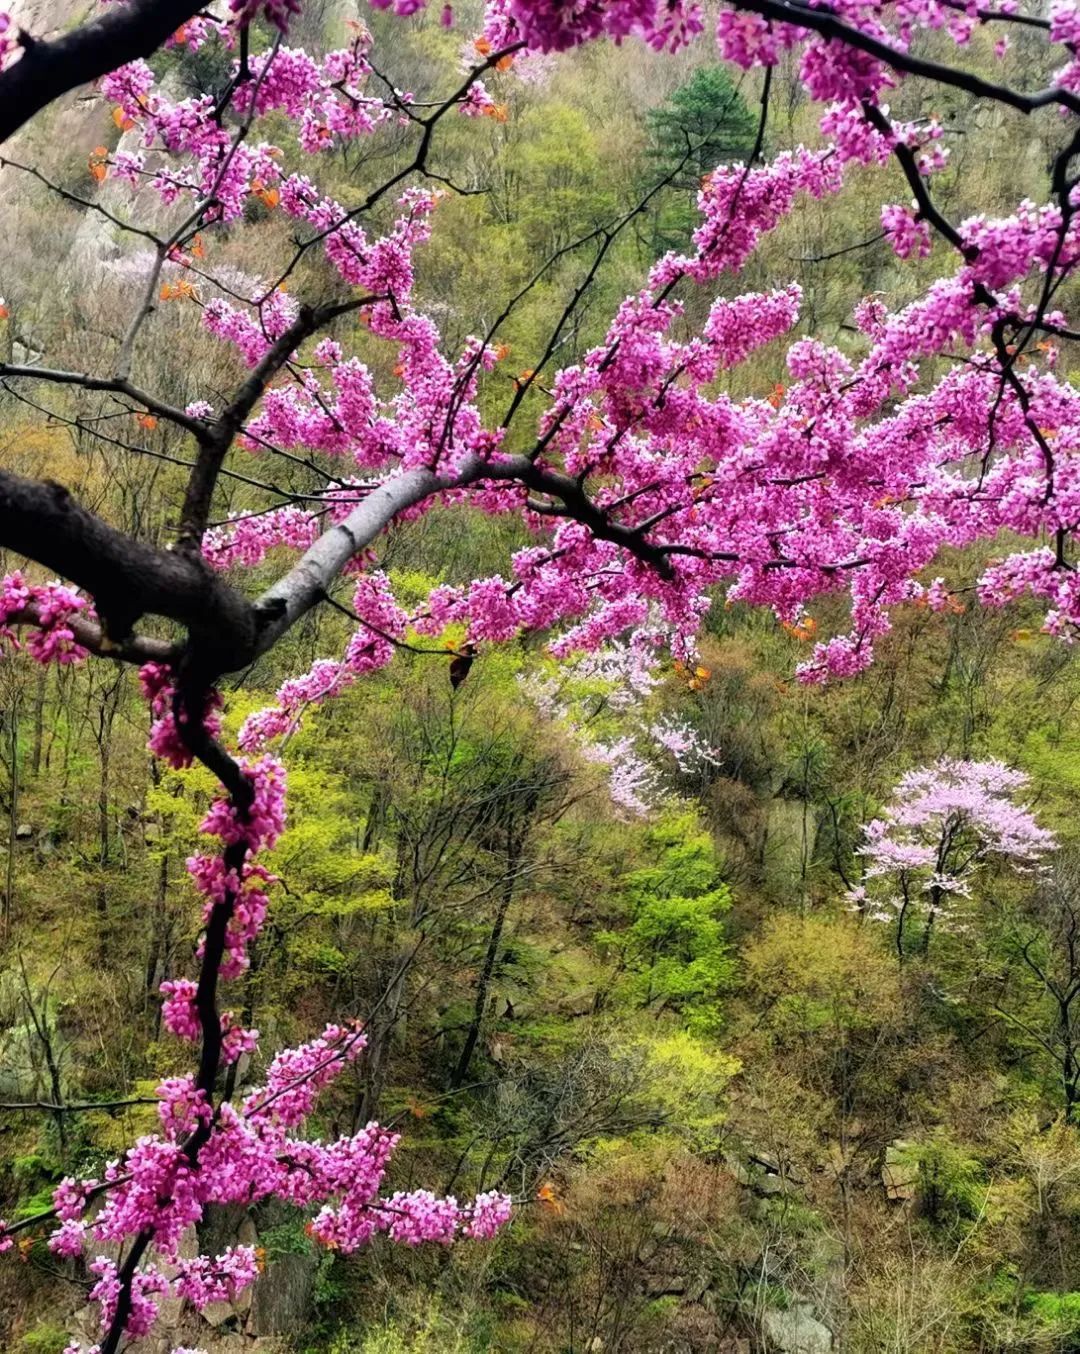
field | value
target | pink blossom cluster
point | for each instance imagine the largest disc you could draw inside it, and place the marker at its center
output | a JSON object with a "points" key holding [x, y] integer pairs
{"points": [[249, 1154], [178, 1009], [206, 1279], [908, 234], [382, 623], [829, 68], [249, 539], [50, 607], [550, 26], [821, 487], [166, 732], [9, 42], [148, 1286], [241, 892]]}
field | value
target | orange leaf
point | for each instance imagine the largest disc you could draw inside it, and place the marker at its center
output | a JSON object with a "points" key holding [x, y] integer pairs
{"points": [[271, 197], [97, 172], [146, 420], [4, 312], [501, 350], [505, 62], [198, 249], [546, 1195], [483, 46], [804, 630], [777, 396], [122, 120]]}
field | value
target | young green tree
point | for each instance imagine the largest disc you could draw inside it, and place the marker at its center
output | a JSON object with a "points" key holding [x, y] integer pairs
{"points": [[705, 123]]}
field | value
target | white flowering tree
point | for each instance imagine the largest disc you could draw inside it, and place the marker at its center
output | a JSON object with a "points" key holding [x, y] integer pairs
{"points": [[944, 824]]}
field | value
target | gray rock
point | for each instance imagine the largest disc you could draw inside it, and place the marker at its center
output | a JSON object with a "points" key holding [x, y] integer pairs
{"points": [[281, 1301], [795, 1331], [900, 1175]]}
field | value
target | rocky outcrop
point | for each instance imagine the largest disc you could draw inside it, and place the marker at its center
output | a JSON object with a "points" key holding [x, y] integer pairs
{"points": [[795, 1330], [900, 1173]]}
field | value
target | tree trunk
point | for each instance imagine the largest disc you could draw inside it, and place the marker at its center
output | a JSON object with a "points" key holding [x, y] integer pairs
{"points": [[39, 719], [385, 1017], [484, 983], [13, 817]]}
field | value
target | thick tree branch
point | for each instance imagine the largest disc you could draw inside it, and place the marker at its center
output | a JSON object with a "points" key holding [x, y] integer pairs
{"points": [[117, 35], [127, 578]]}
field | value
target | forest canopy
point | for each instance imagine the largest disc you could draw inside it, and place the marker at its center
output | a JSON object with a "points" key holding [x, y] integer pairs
{"points": [[537, 708]]}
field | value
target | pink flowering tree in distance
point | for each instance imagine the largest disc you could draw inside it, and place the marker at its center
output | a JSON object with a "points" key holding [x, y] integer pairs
{"points": [[647, 489], [944, 823]]}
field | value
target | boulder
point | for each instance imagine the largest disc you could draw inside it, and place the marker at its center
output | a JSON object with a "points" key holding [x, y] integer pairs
{"points": [[281, 1299], [900, 1174], [795, 1330]]}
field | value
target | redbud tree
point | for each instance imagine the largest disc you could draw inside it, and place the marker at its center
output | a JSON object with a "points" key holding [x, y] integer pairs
{"points": [[648, 491]]}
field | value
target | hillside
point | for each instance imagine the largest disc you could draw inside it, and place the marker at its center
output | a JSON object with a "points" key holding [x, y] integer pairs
{"points": [[620, 940]]}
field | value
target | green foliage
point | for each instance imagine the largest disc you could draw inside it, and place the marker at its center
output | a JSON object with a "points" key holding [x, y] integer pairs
{"points": [[1058, 1313], [952, 1182], [687, 1079], [704, 123], [287, 1238], [46, 1338], [672, 954]]}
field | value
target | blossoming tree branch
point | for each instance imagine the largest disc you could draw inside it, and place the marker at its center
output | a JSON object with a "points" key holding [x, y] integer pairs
{"points": [[649, 490]]}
